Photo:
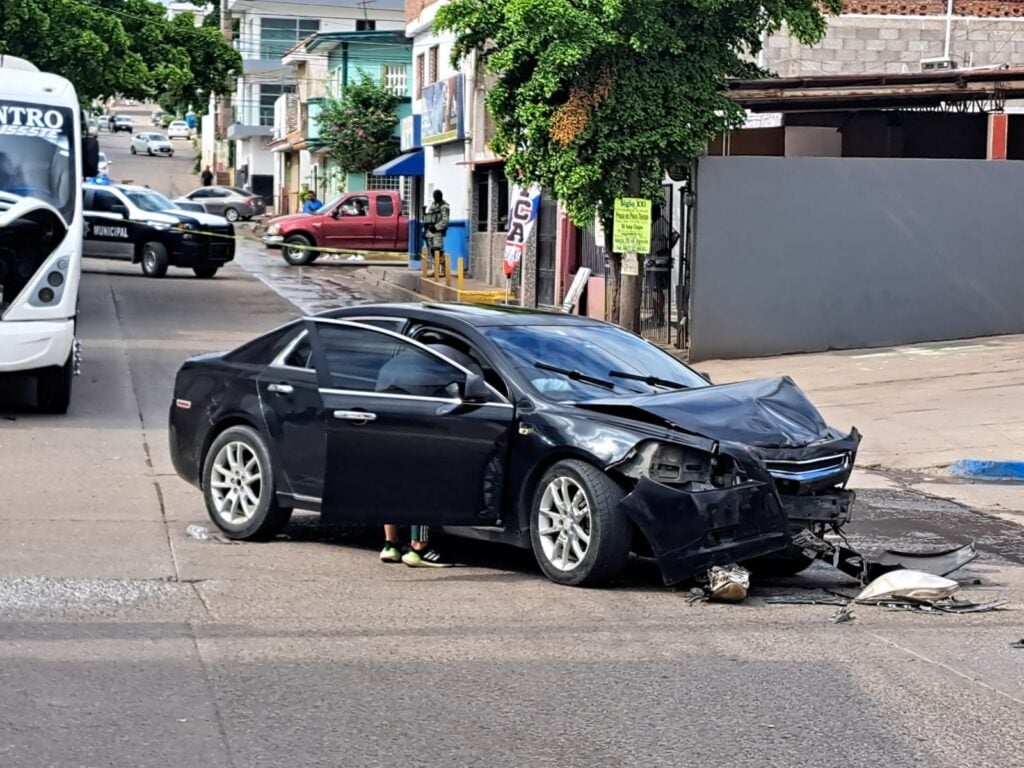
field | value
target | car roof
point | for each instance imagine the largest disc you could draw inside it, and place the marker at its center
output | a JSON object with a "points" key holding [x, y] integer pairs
{"points": [[475, 315]]}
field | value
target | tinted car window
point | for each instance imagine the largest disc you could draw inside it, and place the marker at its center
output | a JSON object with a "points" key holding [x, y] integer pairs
{"points": [[301, 355], [365, 361], [385, 207], [593, 350], [104, 200], [264, 349]]}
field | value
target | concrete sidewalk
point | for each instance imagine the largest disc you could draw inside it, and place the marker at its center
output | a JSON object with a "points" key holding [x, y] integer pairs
{"points": [[919, 408]]}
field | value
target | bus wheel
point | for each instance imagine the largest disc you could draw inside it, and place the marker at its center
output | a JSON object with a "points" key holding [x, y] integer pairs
{"points": [[53, 387]]}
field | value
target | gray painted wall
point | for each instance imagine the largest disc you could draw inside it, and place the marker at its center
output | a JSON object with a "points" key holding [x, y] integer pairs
{"points": [[810, 254]]}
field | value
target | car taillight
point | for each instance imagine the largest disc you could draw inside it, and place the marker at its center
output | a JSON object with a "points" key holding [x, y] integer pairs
{"points": [[254, 201]]}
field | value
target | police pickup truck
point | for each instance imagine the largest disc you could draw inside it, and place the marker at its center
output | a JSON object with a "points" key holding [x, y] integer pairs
{"points": [[140, 225]]}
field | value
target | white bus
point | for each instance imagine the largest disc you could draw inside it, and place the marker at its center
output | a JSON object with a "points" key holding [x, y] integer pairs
{"points": [[45, 150]]}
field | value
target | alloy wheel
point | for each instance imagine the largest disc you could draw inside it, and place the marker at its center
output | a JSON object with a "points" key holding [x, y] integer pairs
{"points": [[563, 523], [236, 482]]}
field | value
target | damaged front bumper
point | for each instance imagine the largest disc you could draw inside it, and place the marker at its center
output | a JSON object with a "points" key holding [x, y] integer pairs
{"points": [[690, 532]]}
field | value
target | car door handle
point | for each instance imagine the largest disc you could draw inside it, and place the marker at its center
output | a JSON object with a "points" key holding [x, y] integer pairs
{"points": [[281, 389], [361, 416]]}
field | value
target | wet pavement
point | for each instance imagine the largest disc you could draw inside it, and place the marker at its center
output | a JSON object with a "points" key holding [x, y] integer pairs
{"points": [[327, 284]]}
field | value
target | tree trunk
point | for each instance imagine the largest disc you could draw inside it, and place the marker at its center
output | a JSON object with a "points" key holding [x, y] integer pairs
{"points": [[629, 285]]}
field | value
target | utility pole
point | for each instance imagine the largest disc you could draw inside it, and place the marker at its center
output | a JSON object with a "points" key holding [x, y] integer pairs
{"points": [[222, 117], [629, 285]]}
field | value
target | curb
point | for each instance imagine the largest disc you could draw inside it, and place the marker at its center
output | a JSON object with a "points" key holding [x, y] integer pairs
{"points": [[992, 470]]}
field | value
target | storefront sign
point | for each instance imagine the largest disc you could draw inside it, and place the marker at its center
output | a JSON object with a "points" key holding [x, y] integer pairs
{"points": [[411, 132], [523, 206], [631, 231], [442, 111]]}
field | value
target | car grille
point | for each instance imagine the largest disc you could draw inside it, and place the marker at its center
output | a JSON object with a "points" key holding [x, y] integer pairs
{"points": [[811, 469]]}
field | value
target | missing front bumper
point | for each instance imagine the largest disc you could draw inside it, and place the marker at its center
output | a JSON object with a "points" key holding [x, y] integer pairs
{"points": [[690, 532]]}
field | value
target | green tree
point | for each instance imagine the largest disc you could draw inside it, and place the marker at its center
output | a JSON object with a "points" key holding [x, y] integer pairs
{"points": [[358, 128], [594, 99], [128, 47]]}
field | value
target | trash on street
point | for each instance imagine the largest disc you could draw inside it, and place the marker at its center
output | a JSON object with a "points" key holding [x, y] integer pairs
{"points": [[728, 584], [198, 532], [909, 585]]}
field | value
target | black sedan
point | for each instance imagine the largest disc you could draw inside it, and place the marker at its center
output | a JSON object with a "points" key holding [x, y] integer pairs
{"points": [[549, 431]]}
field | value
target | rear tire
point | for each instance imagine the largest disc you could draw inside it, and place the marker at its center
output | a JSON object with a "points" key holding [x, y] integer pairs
{"points": [[231, 214], [204, 273], [53, 388], [154, 259], [236, 454], [298, 256], [579, 536]]}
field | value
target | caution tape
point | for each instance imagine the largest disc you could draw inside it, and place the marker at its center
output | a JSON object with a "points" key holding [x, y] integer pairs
{"points": [[295, 246]]}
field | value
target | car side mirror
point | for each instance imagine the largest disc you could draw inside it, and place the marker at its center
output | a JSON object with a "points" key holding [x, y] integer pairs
{"points": [[119, 209], [475, 389], [706, 376]]}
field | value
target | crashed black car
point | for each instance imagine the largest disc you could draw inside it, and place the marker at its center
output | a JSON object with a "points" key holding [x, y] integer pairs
{"points": [[549, 431]]}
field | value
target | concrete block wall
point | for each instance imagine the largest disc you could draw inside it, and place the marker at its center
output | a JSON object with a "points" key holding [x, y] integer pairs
{"points": [[857, 44]]}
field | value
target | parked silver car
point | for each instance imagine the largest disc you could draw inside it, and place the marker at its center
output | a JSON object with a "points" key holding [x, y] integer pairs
{"points": [[152, 144], [230, 202]]}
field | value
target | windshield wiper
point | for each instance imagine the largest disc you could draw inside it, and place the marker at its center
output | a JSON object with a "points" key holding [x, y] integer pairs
{"points": [[576, 375], [654, 381]]}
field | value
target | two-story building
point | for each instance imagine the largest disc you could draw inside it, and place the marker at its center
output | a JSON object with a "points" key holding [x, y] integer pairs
{"points": [[325, 64], [267, 31]]}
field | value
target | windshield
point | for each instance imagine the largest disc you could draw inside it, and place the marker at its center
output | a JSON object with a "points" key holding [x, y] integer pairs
{"points": [[157, 137], [150, 201], [37, 154], [590, 361]]}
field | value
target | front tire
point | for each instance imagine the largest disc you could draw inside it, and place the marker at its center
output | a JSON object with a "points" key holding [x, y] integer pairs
{"points": [[239, 486], [53, 388], [204, 273], [132, 150], [154, 260], [579, 536], [298, 254]]}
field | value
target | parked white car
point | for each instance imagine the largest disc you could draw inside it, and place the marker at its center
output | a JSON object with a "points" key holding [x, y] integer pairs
{"points": [[179, 130], [103, 168], [152, 144]]}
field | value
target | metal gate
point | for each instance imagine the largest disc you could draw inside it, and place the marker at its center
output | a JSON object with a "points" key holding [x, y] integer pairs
{"points": [[658, 301]]}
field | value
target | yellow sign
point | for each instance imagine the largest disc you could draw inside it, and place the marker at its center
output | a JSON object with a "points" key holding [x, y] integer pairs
{"points": [[631, 232]]}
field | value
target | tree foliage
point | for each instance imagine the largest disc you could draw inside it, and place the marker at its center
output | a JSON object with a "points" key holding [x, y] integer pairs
{"points": [[358, 128], [127, 47], [594, 99]]}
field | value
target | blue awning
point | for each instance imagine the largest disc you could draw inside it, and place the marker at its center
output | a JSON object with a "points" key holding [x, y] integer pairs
{"points": [[409, 164]]}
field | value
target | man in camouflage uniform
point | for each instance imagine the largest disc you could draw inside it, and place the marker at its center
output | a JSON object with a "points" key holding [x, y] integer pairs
{"points": [[435, 226]]}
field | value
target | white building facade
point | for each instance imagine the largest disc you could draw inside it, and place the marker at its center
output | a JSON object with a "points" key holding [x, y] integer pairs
{"points": [[267, 31]]}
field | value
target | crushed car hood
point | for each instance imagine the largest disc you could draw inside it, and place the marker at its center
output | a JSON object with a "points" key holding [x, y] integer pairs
{"points": [[763, 412]]}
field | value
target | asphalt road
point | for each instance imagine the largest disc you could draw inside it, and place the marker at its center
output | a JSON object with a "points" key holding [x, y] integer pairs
{"points": [[123, 642]]}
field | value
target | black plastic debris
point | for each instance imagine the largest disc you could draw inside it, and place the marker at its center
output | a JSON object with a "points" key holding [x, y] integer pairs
{"points": [[807, 600], [1018, 644]]}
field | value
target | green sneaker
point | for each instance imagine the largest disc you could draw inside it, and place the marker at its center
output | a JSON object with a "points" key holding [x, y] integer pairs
{"points": [[392, 553], [424, 558]]}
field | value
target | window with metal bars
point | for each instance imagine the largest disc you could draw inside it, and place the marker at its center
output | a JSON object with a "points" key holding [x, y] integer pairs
{"points": [[432, 70], [395, 77], [384, 182], [419, 76]]}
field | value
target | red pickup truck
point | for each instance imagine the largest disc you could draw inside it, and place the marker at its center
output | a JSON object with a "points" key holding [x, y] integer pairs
{"points": [[356, 221]]}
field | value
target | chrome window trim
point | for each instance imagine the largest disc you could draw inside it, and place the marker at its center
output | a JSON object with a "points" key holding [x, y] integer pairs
{"points": [[420, 398], [423, 347]]}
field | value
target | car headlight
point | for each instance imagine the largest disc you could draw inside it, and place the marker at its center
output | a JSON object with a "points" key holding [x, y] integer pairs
{"points": [[274, 229], [680, 466], [159, 226]]}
